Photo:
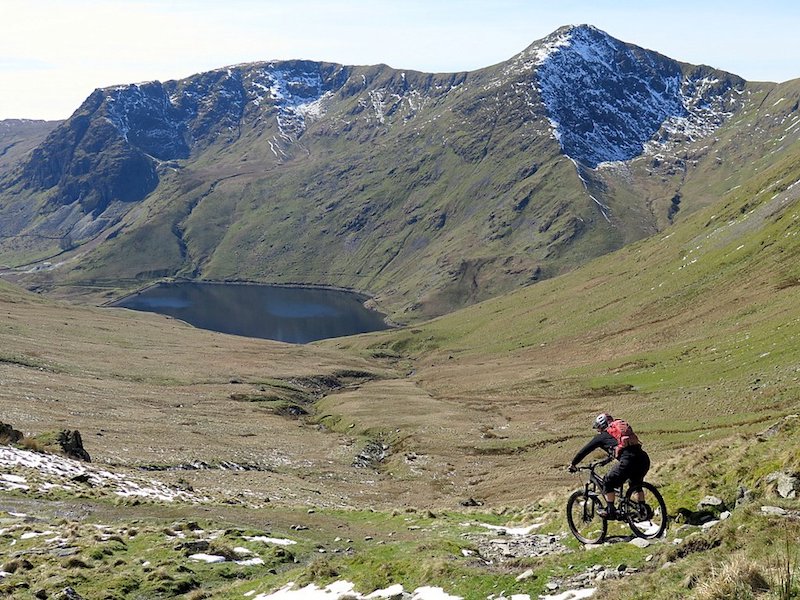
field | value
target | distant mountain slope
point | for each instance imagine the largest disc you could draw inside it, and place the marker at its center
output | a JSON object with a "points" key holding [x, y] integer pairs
{"points": [[430, 190], [20, 136]]}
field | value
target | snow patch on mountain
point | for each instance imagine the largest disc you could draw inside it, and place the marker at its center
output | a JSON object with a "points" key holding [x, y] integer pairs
{"points": [[706, 110], [298, 96], [537, 54]]}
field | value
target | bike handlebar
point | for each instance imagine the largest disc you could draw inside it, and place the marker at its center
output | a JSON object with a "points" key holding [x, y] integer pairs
{"points": [[594, 465]]}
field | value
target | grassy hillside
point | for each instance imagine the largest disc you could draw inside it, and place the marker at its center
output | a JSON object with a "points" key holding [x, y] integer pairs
{"points": [[690, 334]]}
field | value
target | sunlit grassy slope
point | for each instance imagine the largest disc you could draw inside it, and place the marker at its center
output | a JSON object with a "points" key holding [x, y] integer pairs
{"points": [[691, 334]]}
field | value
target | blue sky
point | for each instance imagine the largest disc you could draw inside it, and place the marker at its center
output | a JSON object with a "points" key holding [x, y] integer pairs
{"points": [[53, 53]]}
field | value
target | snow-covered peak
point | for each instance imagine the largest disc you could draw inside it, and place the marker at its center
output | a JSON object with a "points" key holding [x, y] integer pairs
{"points": [[607, 99]]}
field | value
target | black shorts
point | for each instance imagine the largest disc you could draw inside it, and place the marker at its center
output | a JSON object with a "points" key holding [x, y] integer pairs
{"points": [[633, 465]]}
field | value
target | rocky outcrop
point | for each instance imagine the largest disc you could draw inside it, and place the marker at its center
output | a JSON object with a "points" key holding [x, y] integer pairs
{"points": [[9, 435], [72, 445], [87, 160]]}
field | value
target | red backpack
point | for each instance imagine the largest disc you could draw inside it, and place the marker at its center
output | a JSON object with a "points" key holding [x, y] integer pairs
{"points": [[623, 433]]}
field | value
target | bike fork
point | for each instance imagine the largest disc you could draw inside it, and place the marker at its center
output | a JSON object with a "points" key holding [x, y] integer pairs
{"points": [[588, 505]]}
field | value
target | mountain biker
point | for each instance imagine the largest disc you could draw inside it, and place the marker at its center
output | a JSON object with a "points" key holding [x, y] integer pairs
{"points": [[633, 461]]}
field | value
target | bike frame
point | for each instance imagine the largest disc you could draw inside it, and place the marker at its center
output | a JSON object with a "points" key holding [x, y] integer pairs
{"points": [[594, 486]]}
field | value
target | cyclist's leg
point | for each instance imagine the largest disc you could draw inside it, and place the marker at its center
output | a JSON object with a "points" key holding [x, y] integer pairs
{"points": [[639, 466], [611, 482]]}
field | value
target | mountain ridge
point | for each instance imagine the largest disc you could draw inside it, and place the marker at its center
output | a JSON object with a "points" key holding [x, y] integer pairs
{"points": [[436, 190]]}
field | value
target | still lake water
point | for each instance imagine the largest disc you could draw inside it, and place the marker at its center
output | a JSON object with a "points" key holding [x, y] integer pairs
{"points": [[288, 314]]}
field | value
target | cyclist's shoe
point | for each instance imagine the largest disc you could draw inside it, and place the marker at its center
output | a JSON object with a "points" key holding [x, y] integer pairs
{"points": [[608, 512], [644, 511]]}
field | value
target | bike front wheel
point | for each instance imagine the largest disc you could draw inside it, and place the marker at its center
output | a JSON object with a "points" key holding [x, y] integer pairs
{"points": [[584, 522], [650, 521]]}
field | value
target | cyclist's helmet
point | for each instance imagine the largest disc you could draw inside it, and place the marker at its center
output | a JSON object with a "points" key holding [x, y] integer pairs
{"points": [[602, 421]]}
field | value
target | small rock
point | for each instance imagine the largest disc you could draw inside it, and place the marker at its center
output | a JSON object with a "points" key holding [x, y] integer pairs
{"points": [[526, 575], [592, 546], [774, 511], [551, 587], [648, 558], [743, 496], [471, 502], [709, 524], [194, 546], [788, 486], [640, 542], [725, 515], [68, 594], [710, 501], [622, 567]]}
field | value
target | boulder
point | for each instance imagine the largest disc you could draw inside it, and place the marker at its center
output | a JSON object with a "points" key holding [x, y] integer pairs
{"points": [[9, 435], [72, 445], [787, 485]]}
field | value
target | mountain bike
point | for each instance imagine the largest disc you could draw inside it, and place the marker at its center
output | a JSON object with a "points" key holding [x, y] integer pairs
{"points": [[648, 521]]}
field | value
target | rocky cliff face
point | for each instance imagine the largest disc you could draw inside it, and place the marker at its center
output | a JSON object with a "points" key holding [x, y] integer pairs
{"points": [[606, 99]]}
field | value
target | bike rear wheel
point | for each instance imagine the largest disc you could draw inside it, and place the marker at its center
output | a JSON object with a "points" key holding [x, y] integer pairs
{"points": [[583, 520], [651, 522]]}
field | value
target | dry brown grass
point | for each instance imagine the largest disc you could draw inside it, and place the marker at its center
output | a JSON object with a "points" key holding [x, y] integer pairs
{"points": [[144, 389], [737, 579]]}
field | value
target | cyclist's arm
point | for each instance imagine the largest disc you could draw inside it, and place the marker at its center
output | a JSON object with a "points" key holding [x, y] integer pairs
{"points": [[601, 440]]}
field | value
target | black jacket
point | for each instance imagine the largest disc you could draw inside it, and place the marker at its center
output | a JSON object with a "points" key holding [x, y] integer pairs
{"points": [[602, 440]]}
